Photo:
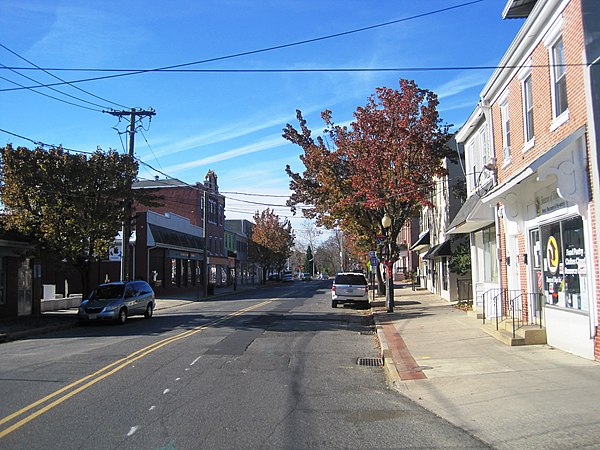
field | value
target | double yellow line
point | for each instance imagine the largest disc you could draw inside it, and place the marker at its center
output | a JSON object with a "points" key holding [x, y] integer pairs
{"points": [[76, 387]]}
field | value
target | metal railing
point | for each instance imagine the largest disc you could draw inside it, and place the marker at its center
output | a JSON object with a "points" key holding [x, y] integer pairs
{"points": [[505, 304]]}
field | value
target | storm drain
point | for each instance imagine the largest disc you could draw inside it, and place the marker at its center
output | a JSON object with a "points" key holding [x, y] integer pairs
{"points": [[370, 362]]}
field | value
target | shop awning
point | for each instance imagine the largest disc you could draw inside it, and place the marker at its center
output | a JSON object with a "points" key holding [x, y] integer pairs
{"points": [[422, 242], [473, 215], [443, 249], [164, 237]]}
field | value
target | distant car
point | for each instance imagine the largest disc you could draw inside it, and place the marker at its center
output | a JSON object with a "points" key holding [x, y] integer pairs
{"points": [[350, 287], [306, 276], [117, 301], [287, 276]]}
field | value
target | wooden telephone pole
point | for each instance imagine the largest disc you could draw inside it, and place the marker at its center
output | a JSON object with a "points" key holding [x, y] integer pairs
{"points": [[126, 249]]}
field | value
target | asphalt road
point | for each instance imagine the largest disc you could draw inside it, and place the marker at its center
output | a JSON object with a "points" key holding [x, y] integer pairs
{"points": [[270, 368]]}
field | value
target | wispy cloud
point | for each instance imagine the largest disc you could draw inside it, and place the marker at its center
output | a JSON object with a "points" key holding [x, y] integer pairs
{"points": [[264, 144], [463, 82]]}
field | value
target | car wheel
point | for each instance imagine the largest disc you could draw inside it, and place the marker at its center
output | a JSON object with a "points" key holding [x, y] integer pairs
{"points": [[122, 318], [333, 304], [149, 311]]}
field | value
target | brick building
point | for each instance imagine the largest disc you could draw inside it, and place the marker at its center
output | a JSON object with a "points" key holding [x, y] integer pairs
{"points": [[532, 155]]}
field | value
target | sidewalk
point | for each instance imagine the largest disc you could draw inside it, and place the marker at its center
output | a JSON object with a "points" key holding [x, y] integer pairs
{"points": [[510, 397], [26, 326]]}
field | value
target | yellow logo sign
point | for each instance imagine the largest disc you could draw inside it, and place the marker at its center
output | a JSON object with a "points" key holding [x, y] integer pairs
{"points": [[552, 255]]}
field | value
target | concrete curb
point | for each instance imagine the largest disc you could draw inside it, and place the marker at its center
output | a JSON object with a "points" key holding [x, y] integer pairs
{"points": [[164, 304], [17, 335], [386, 354]]}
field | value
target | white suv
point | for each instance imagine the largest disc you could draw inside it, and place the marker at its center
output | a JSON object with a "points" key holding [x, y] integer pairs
{"points": [[350, 287]]}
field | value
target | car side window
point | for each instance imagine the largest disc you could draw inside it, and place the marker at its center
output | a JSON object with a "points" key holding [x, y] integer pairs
{"points": [[130, 291], [142, 288]]}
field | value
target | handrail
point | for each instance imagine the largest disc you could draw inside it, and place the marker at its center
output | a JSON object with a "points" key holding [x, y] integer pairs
{"points": [[511, 307]]}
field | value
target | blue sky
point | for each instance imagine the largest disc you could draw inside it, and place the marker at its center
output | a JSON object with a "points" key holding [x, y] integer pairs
{"points": [[232, 122]]}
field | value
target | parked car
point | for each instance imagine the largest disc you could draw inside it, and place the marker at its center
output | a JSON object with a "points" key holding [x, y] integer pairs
{"points": [[287, 276], [350, 287], [306, 276], [117, 301]]}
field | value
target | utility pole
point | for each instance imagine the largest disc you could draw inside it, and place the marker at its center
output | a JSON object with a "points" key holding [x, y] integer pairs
{"points": [[126, 231]]}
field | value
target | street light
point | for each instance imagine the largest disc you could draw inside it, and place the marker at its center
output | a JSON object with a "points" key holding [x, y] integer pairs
{"points": [[386, 223]]}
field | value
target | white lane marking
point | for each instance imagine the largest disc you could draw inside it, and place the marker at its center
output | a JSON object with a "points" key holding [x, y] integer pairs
{"points": [[152, 407], [132, 430], [165, 391], [195, 361], [177, 379]]}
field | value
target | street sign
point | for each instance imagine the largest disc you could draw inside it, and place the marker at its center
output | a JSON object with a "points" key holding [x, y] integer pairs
{"points": [[374, 261], [372, 254], [380, 240]]}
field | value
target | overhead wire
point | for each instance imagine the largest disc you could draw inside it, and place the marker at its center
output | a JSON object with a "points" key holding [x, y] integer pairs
{"points": [[40, 85], [60, 79], [33, 89], [263, 50]]}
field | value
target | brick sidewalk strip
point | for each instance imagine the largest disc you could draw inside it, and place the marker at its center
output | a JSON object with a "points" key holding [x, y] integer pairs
{"points": [[407, 367]]}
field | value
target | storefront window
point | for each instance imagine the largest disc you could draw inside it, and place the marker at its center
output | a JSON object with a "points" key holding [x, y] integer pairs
{"points": [[173, 272], [565, 270]]}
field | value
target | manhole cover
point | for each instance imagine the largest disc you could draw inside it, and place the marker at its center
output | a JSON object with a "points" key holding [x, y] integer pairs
{"points": [[370, 362]]}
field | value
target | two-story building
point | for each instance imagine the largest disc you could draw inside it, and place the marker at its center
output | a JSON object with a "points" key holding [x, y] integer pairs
{"points": [[204, 207], [434, 243], [531, 143], [238, 232]]}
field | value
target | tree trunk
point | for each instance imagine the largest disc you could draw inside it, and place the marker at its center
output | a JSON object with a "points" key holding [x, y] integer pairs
{"points": [[380, 281]]}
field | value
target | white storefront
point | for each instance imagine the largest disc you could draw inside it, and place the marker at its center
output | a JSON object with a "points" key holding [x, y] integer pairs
{"points": [[547, 232]]}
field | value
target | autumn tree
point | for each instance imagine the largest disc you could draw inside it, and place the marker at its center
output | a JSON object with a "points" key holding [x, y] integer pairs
{"points": [[71, 205], [272, 241], [385, 162]]}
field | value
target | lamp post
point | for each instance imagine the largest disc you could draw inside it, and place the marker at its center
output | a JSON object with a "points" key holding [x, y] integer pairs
{"points": [[386, 223]]}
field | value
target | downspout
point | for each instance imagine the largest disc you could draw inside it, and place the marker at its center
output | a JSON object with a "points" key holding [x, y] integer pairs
{"points": [[593, 142]]}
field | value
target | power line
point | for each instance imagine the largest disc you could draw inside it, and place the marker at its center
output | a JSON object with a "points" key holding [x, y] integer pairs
{"points": [[32, 89], [417, 189], [266, 49], [255, 195], [297, 70], [58, 78], [43, 144], [51, 88]]}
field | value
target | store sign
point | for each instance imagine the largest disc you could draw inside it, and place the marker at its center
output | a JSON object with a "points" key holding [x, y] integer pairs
{"points": [[114, 253], [548, 201], [575, 261], [552, 255]]}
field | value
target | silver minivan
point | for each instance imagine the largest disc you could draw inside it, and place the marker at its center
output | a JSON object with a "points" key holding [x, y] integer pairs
{"points": [[117, 301]]}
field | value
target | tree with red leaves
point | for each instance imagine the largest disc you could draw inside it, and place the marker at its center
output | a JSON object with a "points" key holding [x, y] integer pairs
{"points": [[385, 162]]}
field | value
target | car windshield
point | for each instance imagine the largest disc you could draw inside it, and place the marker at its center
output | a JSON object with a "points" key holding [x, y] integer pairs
{"points": [[351, 278], [107, 292]]}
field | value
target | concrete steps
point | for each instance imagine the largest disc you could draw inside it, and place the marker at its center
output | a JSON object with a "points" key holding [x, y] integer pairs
{"points": [[526, 335]]}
